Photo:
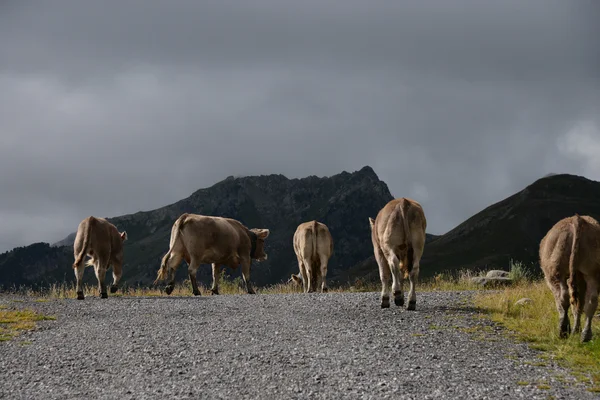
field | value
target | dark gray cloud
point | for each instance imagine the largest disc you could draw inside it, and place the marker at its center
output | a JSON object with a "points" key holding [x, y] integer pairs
{"points": [[113, 107]]}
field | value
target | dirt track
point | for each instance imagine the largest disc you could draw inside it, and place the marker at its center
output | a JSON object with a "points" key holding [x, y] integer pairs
{"points": [[270, 346]]}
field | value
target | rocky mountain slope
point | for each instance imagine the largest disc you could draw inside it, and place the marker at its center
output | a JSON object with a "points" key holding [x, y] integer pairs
{"points": [[511, 228], [343, 202]]}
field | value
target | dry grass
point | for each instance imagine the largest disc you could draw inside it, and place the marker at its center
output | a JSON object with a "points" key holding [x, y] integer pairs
{"points": [[13, 322], [460, 280], [537, 324]]}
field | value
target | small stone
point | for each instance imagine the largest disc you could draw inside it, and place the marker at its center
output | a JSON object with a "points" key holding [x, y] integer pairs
{"points": [[523, 301]]}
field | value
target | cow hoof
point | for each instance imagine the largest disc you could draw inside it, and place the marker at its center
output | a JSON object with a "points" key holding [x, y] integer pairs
{"points": [[563, 334], [113, 289], [251, 291], [197, 293], [80, 296], [385, 302], [412, 305], [325, 290], [586, 336], [103, 295], [214, 291], [398, 299], [169, 289]]}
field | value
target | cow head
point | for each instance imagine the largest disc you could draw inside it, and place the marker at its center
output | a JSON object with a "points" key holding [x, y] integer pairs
{"points": [[257, 239], [123, 236], [296, 278]]}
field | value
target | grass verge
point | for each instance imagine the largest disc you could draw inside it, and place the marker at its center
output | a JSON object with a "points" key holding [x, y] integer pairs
{"points": [[14, 322], [537, 324], [460, 280]]}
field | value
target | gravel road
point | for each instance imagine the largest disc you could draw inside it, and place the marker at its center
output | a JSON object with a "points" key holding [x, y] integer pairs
{"points": [[290, 346]]}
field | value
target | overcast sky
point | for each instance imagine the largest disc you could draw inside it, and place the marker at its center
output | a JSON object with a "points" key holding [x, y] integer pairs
{"points": [[112, 107]]}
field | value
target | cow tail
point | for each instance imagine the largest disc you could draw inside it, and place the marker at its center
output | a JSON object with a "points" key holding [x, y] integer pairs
{"points": [[573, 260], [175, 235], [315, 254], [407, 237], [87, 238]]}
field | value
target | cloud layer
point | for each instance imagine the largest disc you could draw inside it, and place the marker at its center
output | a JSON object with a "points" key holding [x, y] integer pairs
{"points": [[112, 108]]}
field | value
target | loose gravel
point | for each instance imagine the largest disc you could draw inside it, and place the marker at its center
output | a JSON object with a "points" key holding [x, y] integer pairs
{"points": [[284, 346]]}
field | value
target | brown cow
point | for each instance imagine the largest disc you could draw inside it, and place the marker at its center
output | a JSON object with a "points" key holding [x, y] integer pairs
{"points": [[398, 236], [99, 239], [313, 246], [570, 258], [201, 239]]}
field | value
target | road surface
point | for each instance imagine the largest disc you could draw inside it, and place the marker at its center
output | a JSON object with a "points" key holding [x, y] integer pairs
{"points": [[286, 346]]}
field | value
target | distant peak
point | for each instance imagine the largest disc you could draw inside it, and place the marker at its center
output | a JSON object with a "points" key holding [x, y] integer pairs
{"points": [[368, 171]]}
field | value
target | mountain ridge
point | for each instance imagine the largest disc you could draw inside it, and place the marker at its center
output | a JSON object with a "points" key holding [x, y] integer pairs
{"points": [[342, 201], [508, 229]]}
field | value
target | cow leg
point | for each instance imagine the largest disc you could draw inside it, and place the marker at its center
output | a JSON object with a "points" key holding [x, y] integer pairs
{"points": [[79, 277], [193, 271], [304, 272], [385, 276], [302, 269], [100, 269], [310, 276], [591, 304], [171, 264], [413, 277], [116, 273], [561, 298], [397, 279], [216, 274], [323, 263], [246, 275], [580, 302]]}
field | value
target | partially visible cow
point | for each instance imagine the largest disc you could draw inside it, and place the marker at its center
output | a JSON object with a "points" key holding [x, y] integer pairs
{"points": [[313, 246], [102, 241], [201, 239], [398, 237], [570, 259]]}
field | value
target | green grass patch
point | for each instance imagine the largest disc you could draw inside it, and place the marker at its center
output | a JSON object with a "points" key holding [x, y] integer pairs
{"points": [[537, 324], [14, 322]]}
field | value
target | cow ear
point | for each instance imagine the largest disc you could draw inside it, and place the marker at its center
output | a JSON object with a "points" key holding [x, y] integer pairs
{"points": [[371, 222], [123, 235], [262, 233]]}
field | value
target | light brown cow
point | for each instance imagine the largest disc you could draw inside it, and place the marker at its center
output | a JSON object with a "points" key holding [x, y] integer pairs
{"points": [[99, 239], [201, 239], [570, 259], [398, 236], [313, 246]]}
